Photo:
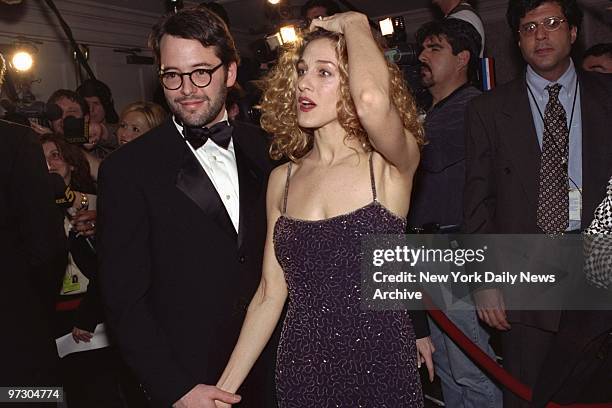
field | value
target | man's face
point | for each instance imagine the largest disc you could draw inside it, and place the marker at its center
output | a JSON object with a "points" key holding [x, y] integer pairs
{"points": [[96, 110], [69, 108], [600, 63], [547, 52], [192, 105], [439, 65], [315, 12]]}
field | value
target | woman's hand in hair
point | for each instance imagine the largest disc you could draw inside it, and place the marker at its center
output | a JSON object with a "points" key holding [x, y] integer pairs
{"points": [[338, 22]]}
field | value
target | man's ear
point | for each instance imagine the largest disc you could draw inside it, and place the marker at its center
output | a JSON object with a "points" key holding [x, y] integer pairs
{"points": [[232, 72], [463, 59], [573, 34]]}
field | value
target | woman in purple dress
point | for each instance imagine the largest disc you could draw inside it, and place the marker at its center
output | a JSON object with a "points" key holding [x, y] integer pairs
{"points": [[343, 117]]}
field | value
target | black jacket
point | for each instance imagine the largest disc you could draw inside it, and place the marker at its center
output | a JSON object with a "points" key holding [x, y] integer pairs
{"points": [[175, 277], [33, 253]]}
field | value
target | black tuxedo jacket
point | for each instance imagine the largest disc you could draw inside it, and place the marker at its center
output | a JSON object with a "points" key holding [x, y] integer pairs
{"points": [[501, 194], [33, 259], [175, 276]]}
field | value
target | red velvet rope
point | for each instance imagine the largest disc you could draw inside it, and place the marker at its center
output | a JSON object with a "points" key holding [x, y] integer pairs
{"points": [[486, 363]]}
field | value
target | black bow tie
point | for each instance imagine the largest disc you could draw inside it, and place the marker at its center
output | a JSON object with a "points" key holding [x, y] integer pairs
{"points": [[220, 133]]}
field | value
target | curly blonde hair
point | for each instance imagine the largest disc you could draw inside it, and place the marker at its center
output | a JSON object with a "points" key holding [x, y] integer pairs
{"points": [[278, 106]]}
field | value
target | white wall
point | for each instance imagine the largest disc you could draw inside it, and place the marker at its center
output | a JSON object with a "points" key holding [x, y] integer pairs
{"points": [[100, 26]]}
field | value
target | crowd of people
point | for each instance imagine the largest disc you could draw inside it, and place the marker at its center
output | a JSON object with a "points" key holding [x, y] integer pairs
{"points": [[194, 260]]}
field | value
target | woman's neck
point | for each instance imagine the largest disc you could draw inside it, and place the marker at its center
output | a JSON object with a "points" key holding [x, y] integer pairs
{"points": [[330, 144]]}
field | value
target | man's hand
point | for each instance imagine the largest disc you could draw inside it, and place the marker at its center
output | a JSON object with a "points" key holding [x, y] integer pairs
{"points": [[41, 130], [81, 335], [95, 134], [204, 396], [84, 222], [425, 349], [491, 308]]}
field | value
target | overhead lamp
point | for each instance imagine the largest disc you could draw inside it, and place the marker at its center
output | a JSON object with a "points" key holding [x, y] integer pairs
{"points": [[273, 1], [22, 61], [288, 34], [386, 26]]}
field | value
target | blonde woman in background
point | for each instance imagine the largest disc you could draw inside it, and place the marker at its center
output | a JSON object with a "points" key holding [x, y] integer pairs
{"points": [[138, 118]]}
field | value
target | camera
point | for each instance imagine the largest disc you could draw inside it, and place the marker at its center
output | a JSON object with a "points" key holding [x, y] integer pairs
{"points": [[76, 130]]}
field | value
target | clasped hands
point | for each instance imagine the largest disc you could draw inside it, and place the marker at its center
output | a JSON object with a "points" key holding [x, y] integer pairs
{"points": [[207, 396]]}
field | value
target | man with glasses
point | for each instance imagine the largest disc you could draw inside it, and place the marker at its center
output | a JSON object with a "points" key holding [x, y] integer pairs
{"points": [[182, 224], [538, 155]]}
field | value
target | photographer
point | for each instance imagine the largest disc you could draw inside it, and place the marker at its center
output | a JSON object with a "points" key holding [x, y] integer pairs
{"points": [[69, 117], [318, 8], [101, 112]]}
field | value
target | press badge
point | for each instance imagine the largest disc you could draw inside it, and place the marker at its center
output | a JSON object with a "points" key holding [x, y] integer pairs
{"points": [[575, 204]]}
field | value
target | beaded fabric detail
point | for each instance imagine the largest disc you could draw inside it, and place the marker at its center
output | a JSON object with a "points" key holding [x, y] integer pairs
{"points": [[331, 352]]}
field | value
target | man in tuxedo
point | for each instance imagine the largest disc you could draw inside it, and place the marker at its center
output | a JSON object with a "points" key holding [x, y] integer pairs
{"points": [[538, 159], [33, 249], [182, 224]]}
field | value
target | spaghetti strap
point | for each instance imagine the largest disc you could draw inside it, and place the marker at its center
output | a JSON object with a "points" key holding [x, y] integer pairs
{"points": [[372, 181], [286, 189]]}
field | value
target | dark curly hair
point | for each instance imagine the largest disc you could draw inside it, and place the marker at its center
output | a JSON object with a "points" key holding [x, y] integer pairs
{"points": [[461, 35], [80, 177], [518, 8]]}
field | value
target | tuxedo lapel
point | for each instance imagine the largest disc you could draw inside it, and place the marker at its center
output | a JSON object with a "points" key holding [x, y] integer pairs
{"points": [[250, 183], [519, 135], [193, 181]]}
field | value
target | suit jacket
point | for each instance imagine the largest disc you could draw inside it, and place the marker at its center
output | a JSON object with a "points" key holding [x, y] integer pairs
{"points": [[175, 276], [501, 193], [33, 256]]}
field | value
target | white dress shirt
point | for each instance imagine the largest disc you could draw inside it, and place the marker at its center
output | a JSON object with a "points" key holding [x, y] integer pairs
{"points": [[222, 170]]}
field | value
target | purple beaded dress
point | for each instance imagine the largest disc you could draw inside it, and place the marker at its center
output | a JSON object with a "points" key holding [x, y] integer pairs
{"points": [[332, 353]]}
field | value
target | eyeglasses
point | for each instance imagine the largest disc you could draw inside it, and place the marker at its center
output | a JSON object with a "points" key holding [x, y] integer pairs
{"points": [[549, 24], [200, 77]]}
